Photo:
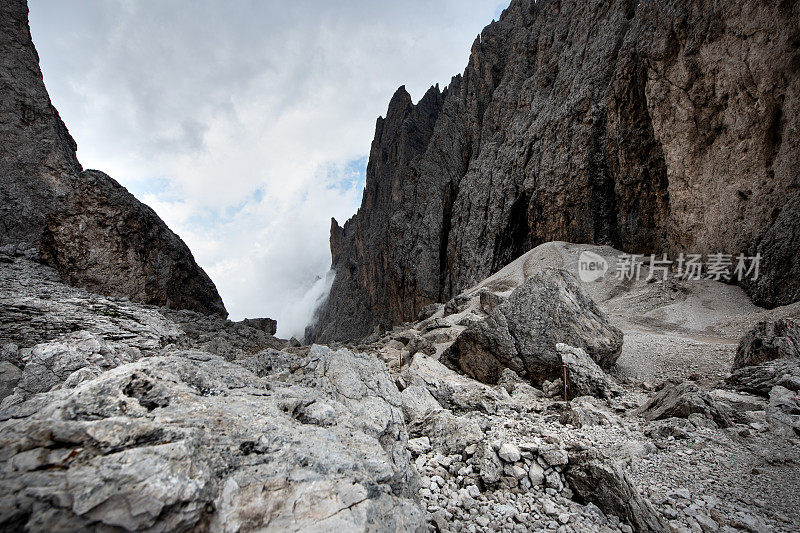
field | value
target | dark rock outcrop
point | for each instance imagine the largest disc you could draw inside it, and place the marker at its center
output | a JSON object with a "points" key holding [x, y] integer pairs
{"points": [[760, 379], [85, 224], [768, 341], [648, 126]]}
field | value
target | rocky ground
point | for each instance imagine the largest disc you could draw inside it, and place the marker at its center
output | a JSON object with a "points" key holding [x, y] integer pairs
{"points": [[121, 416], [698, 474]]}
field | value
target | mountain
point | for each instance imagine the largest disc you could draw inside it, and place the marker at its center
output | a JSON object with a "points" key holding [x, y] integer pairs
{"points": [[81, 222], [653, 127]]}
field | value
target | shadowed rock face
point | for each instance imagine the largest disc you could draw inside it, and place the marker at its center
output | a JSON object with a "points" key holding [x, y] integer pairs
{"points": [[85, 224], [651, 127]]}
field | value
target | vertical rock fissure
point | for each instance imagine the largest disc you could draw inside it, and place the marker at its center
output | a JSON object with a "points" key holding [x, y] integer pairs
{"points": [[515, 239], [445, 280]]}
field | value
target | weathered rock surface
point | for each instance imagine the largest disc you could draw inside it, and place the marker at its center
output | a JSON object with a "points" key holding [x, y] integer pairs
{"points": [[450, 390], [177, 441], [783, 412], [10, 375], [131, 423], [521, 331], [648, 126], [768, 341], [121, 418], [85, 224], [586, 411], [681, 401]]}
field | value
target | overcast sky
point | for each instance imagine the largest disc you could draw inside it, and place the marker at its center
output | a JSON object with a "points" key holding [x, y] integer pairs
{"points": [[246, 124]]}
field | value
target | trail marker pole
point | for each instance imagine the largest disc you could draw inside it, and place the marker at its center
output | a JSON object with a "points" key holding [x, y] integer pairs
{"points": [[564, 367]]}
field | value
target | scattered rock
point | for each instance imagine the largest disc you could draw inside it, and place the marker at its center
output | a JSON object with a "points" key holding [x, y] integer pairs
{"points": [[509, 452], [536, 474], [419, 445]]}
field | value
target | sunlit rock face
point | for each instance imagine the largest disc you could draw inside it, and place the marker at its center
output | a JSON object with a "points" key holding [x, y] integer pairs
{"points": [[652, 127], [85, 224]]}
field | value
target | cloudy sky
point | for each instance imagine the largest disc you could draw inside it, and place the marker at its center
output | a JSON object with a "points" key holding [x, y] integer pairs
{"points": [[246, 124]]}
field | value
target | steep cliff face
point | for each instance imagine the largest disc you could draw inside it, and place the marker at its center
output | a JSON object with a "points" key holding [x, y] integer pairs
{"points": [[86, 225], [649, 126]]}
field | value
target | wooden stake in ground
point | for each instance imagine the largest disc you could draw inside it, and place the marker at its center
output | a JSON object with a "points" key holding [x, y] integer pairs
{"points": [[564, 367]]}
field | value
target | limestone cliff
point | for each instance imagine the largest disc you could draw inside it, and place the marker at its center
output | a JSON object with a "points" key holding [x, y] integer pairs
{"points": [[85, 224], [653, 127]]}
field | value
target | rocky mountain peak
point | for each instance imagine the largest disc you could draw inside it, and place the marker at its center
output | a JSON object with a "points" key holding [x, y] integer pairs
{"points": [[83, 223], [632, 124]]}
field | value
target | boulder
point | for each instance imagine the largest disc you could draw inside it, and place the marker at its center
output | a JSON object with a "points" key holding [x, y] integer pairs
{"points": [[417, 402], [586, 411], [597, 479], [768, 341], [450, 389], [522, 332], [536, 474], [738, 401], [447, 433], [584, 376], [682, 400], [488, 464], [508, 452]]}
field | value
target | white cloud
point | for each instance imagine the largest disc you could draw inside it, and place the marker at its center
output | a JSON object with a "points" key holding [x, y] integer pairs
{"points": [[245, 125]]}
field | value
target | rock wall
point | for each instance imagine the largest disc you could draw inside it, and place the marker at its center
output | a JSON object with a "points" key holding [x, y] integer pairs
{"points": [[652, 127], [85, 224]]}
